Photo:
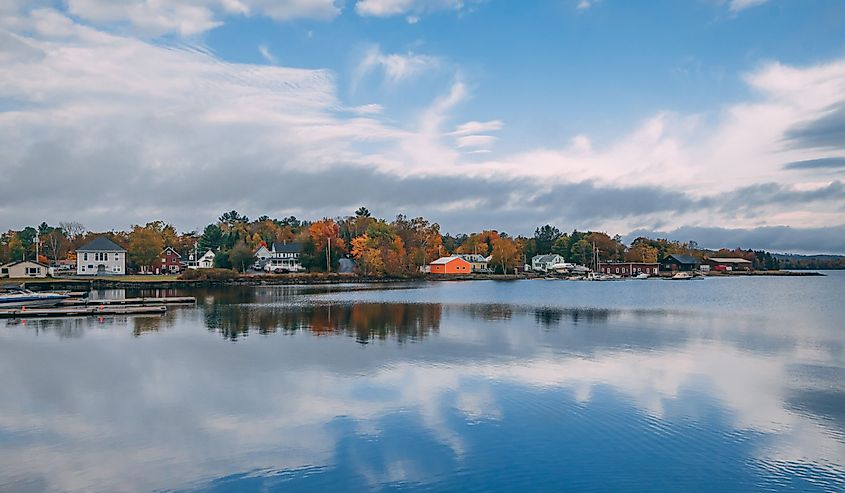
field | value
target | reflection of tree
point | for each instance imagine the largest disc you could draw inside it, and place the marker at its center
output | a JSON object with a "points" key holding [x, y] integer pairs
{"points": [[489, 312], [142, 325], [553, 316], [364, 321]]}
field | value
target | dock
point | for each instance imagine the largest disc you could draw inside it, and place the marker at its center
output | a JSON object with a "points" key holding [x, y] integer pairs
{"points": [[82, 311], [174, 300]]}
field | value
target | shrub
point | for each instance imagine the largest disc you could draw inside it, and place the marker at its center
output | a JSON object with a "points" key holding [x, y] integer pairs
{"points": [[208, 275]]}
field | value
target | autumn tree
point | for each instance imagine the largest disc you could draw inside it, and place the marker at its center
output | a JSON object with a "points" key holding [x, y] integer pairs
{"points": [[326, 244], [506, 254], [641, 252], [145, 245], [241, 256]]}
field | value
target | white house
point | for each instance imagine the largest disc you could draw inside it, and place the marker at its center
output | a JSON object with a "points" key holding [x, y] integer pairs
{"points": [[262, 256], [544, 263], [101, 257], [285, 257]]}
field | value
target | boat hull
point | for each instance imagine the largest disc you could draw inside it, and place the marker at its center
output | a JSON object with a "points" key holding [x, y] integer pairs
{"points": [[31, 301]]}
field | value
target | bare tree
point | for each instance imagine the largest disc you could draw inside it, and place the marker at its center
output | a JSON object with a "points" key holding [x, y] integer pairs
{"points": [[73, 230]]}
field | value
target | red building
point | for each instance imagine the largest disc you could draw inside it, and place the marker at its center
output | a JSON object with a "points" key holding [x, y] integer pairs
{"points": [[169, 262], [450, 265], [627, 269]]}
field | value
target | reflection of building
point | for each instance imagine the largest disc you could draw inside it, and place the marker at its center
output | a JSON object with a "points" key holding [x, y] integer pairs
{"points": [[729, 264], [629, 268], [450, 265], [24, 268], [101, 256], [678, 262], [544, 263]]}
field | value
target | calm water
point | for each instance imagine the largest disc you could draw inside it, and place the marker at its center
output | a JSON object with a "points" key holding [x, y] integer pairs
{"points": [[715, 385]]}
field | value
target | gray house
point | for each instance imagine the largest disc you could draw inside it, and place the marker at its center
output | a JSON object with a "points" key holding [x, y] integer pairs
{"points": [[101, 257]]}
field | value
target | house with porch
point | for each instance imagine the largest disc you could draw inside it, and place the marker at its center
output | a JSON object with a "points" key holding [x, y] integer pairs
{"points": [[101, 257], [285, 257]]}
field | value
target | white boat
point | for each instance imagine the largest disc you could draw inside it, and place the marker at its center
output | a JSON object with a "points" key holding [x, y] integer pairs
{"points": [[681, 276], [641, 275], [11, 298]]}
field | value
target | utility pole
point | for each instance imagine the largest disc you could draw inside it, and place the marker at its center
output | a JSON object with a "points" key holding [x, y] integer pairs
{"points": [[328, 255]]}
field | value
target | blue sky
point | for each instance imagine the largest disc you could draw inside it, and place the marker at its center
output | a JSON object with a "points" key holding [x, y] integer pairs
{"points": [[665, 116]]}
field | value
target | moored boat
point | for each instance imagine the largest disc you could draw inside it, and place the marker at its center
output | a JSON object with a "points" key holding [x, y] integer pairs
{"points": [[20, 297]]}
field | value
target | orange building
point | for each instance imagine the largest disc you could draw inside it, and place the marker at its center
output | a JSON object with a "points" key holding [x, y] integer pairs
{"points": [[450, 265]]}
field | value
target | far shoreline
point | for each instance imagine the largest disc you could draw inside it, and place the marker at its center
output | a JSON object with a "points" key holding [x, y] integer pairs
{"points": [[173, 282]]}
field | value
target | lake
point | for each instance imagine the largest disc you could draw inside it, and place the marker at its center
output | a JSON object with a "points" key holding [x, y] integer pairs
{"points": [[725, 384]]}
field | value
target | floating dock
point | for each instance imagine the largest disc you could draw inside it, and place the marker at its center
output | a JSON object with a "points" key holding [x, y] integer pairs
{"points": [[174, 300], [81, 311]]}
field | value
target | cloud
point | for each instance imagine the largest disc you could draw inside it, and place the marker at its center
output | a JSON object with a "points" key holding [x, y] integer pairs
{"points": [[825, 132], [189, 17], [820, 163], [475, 127], [586, 4], [412, 8], [265, 52], [828, 239], [737, 5], [180, 123], [395, 67]]}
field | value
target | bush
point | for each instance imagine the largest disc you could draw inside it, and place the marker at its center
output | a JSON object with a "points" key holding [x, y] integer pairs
{"points": [[208, 275]]}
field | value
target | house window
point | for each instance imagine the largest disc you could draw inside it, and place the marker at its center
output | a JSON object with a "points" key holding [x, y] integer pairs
{"points": [[85, 256]]}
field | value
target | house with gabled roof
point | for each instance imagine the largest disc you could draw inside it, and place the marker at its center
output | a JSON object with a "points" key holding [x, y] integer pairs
{"points": [[170, 261], [285, 257], [679, 262], [101, 257], [450, 265]]}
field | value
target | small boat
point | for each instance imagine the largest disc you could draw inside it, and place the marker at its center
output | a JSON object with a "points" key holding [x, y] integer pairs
{"points": [[681, 276], [641, 275], [20, 297]]}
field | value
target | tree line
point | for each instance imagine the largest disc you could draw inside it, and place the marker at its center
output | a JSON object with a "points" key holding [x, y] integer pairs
{"points": [[379, 247]]}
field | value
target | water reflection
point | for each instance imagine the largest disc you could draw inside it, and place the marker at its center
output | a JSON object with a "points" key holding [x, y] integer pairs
{"points": [[344, 391], [363, 321]]}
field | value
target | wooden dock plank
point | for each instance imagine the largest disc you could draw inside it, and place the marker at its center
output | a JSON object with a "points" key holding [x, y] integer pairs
{"points": [[81, 311], [181, 300]]}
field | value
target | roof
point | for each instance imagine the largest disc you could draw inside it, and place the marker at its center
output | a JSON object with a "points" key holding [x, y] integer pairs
{"points": [[471, 257], [172, 250], [549, 257], [287, 247], [23, 262], [446, 260], [682, 259], [729, 260], [101, 244]]}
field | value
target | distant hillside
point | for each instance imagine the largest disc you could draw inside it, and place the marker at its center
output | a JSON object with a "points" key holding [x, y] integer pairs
{"points": [[795, 261]]}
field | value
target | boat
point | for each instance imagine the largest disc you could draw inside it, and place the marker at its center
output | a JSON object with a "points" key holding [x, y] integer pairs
{"points": [[681, 276], [641, 275], [20, 298]]}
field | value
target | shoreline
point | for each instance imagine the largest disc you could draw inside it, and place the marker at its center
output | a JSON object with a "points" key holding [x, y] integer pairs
{"points": [[157, 282]]}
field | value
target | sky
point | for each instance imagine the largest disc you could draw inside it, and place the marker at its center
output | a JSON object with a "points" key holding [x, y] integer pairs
{"points": [[719, 121]]}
